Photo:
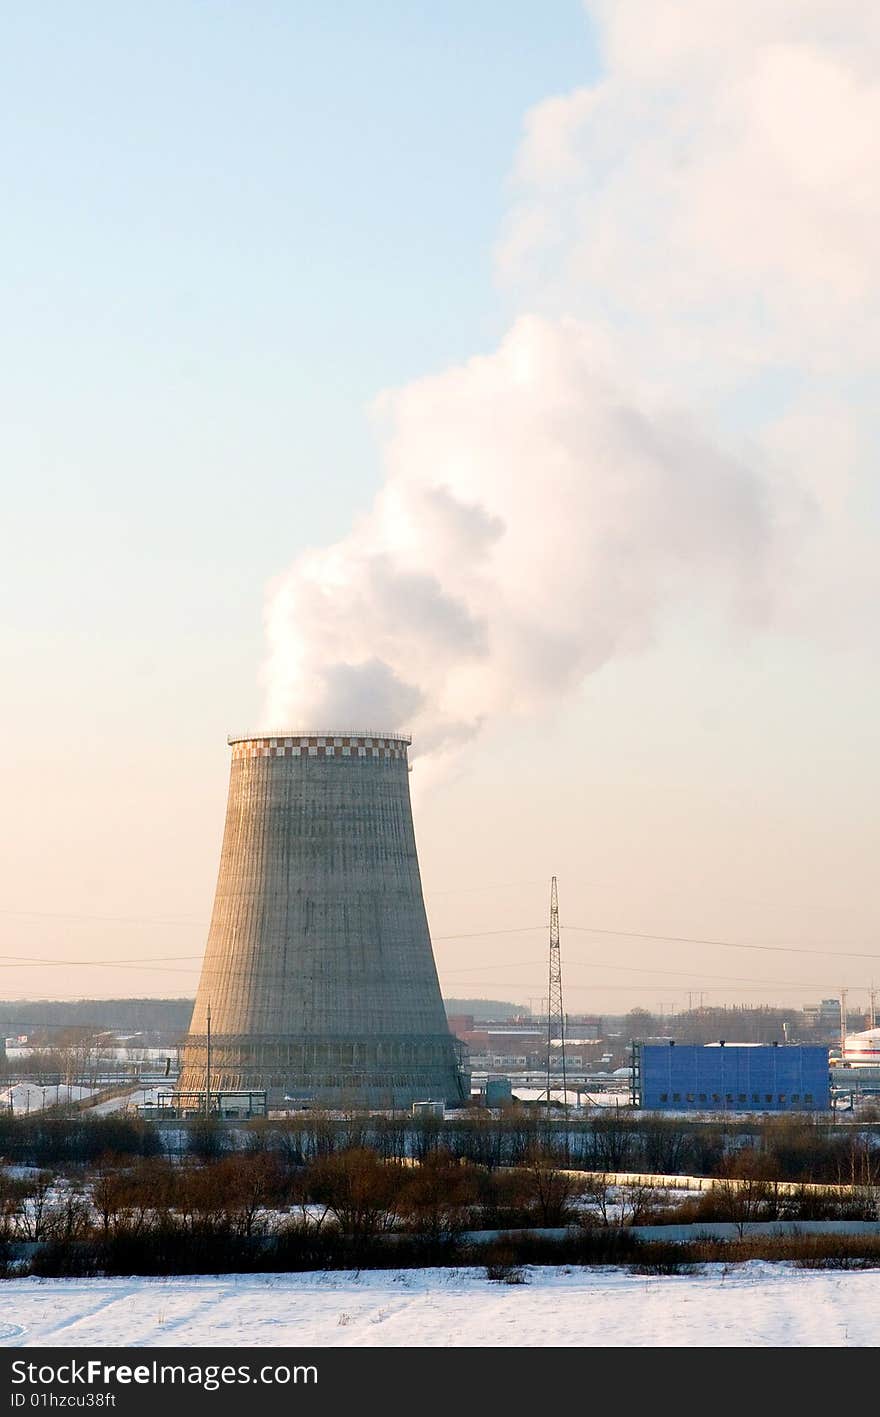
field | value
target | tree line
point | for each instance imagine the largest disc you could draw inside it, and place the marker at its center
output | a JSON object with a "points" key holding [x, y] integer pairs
{"points": [[795, 1147], [259, 1210]]}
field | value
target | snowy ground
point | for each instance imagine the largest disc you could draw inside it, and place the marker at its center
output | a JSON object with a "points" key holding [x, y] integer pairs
{"points": [[24, 1097], [33, 1097], [129, 1101], [751, 1305]]}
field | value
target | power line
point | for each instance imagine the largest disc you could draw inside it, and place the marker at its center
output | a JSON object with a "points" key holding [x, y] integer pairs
{"points": [[641, 990], [187, 922], [682, 973], [23, 962], [160, 963], [489, 886], [138, 959], [452, 974], [472, 935], [507, 964], [674, 940], [479, 934], [724, 944], [106, 919]]}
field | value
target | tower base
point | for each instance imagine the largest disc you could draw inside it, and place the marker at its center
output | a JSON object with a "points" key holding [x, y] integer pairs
{"points": [[391, 1071]]}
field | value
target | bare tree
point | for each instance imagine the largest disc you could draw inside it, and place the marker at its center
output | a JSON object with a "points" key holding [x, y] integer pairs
{"points": [[438, 1196], [363, 1193], [554, 1190], [35, 1207], [599, 1197], [744, 1192], [636, 1201], [612, 1141]]}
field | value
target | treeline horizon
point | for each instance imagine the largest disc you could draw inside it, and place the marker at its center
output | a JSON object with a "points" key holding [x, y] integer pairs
{"points": [[172, 1017], [134, 1014]]}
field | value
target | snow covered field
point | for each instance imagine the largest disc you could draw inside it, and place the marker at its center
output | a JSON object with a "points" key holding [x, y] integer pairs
{"points": [[751, 1305], [24, 1097]]}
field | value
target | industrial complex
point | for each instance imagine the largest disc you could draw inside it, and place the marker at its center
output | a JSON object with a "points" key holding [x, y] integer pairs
{"points": [[319, 988]]}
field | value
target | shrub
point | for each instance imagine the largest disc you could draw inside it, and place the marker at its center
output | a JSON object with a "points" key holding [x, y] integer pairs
{"points": [[503, 1269], [660, 1258]]}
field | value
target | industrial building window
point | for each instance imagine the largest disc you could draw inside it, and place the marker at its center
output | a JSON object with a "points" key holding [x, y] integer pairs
{"points": [[702, 1097], [729, 1097], [742, 1097], [676, 1096], [756, 1097], [795, 1097], [689, 1097], [664, 1097], [768, 1097], [715, 1097], [808, 1096], [782, 1097]]}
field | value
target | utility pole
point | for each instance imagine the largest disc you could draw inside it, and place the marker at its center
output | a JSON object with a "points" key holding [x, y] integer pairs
{"points": [[208, 1064], [843, 993], [555, 1010], [873, 1014]]}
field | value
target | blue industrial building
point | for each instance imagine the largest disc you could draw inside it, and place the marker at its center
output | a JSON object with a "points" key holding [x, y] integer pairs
{"points": [[732, 1077]]}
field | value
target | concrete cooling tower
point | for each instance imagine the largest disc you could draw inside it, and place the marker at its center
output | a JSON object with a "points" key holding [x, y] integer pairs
{"points": [[319, 970]]}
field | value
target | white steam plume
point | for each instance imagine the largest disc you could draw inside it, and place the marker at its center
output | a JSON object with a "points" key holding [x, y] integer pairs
{"points": [[534, 522]]}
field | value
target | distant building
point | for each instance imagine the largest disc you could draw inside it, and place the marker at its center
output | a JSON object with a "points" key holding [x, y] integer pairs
{"points": [[460, 1024], [733, 1077], [522, 1043], [824, 1015]]}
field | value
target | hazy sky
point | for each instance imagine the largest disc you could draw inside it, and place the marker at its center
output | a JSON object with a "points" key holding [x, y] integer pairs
{"points": [[502, 372]]}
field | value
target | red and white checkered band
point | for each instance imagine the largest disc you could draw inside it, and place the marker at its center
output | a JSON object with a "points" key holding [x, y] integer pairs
{"points": [[315, 747]]}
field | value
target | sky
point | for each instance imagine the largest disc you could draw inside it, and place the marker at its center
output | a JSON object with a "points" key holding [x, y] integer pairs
{"points": [[503, 373]]}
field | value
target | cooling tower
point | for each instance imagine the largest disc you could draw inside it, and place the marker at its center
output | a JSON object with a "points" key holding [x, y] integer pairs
{"points": [[319, 970]]}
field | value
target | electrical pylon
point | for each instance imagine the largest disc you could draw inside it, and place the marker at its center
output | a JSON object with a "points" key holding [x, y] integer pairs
{"points": [[555, 1010]]}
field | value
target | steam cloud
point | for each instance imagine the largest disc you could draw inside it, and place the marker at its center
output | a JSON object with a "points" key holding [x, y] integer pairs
{"points": [[709, 210], [533, 524]]}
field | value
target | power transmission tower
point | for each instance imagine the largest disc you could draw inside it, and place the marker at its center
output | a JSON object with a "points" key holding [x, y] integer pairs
{"points": [[555, 1010], [208, 1064]]}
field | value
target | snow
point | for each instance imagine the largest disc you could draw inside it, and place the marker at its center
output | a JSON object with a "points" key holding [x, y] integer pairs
{"points": [[572, 1098], [751, 1305], [128, 1101], [34, 1096], [605, 1099], [136, 1054]]}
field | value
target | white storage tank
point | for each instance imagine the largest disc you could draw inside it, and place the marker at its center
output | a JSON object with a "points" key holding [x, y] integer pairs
{"points": [[862, 1048]]}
